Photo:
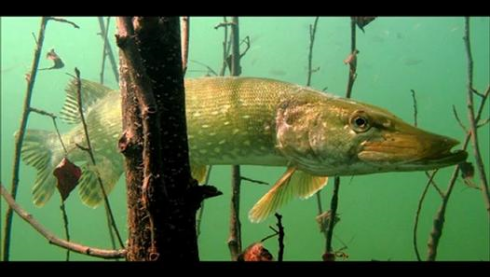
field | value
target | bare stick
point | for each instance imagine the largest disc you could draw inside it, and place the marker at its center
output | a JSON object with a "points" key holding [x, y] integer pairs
{"points": [[185, 42], [226, 45], [280, 231], [104, 31], [333, 213], [417, 215], [92, 157], [334, 202], [455, 112], [254, 181], [414, 99], [310, 51], [53, 117], [67, 230], [62, 20], [433, 183], [235, 239], [53, 239], [473, 122], [438, 224], [20, 136]]}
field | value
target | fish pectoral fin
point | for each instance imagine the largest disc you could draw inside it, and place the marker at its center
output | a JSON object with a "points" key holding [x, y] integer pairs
{"points": [[306, 185], [109, 171], [292, 183], [280, 193], [91, 92], [198, 172]]}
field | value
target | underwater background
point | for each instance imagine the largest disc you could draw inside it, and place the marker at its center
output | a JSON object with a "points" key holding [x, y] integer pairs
{"points": [[397, 54]]}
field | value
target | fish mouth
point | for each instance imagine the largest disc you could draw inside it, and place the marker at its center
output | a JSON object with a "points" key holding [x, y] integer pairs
{"points": [[409, 148]]}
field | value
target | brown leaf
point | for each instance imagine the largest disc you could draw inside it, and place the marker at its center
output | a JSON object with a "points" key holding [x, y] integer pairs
{"points": [[58, 63], [255, 253], [362, 21], [67, 175], [467, 173]]}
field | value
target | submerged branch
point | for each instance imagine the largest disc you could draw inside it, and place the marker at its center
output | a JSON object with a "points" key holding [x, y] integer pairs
{"points": [[92, 157], [417, 214], [235, 240], [67, 230], [53, 239], [438, 224], [280, 232], [329, 254], [53, 117], [473, 122], [104, 30], [62, 20], [310, 51], [415, 112], [19, 139]]}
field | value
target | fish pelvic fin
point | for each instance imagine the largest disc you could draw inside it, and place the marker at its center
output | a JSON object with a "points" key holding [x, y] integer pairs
{"points": [[293, 183], [108, 169], [198, 172], [91, 92], [42, 150]]}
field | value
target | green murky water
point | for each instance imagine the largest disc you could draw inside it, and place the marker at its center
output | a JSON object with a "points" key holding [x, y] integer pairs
{"points": [[377, 211]]}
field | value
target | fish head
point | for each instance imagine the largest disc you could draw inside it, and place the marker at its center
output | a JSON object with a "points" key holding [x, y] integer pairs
{"points": [[344, 137]]}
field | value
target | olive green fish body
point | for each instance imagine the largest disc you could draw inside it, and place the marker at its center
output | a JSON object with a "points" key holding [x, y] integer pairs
{"points": [[246, 121]]}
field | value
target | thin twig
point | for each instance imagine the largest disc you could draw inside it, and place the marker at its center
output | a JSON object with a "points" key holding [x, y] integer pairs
{"points": [[53, 117], [67, 230], [310, 51], [483, 123], [226, 45], [210, 70], [333, 213], [185, 42], [280, 231], [433, 183], [471, 115], [53, 239], [334, 201], [414, 99], [417, 215], [20, 136], [92, 157], [455, 112], [438, 224], [254, 181], [235, 239], [104, 33], [62, 20]]}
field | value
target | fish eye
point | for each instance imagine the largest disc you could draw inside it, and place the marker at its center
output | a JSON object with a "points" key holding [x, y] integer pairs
{"points": [[359, 122]]}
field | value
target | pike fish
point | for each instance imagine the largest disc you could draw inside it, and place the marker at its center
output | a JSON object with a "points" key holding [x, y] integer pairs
{"points": [[246, 121]]}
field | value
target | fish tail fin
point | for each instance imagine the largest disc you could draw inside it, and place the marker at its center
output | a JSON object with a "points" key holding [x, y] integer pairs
{"points": [[42, 150]]}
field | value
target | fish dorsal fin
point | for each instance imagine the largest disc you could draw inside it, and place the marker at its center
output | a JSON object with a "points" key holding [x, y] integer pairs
{"points": [[198, 172], [292, 183], [91, 93]]}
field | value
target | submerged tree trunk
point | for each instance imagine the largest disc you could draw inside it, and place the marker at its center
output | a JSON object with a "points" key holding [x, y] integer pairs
{"points": [[162, 196]]}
